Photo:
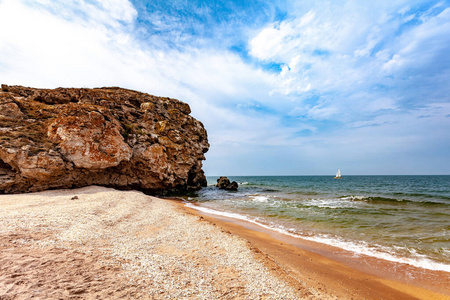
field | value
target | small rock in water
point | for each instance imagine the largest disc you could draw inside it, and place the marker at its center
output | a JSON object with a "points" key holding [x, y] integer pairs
{"points": [[225, 184], [232, 186], [74, 198], [222, 182]]}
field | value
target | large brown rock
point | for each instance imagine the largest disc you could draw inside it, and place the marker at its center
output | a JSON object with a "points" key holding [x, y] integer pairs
{"points": [[69, 137]]}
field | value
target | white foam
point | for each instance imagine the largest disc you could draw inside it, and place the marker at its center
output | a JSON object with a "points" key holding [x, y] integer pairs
{"points": [[260, 198], [243, 183], [331, 203], [354, 198], [358, 248]]}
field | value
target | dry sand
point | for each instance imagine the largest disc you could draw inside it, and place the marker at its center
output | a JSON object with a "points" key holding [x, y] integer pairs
{"points": [[124, 244], [100, 243]]}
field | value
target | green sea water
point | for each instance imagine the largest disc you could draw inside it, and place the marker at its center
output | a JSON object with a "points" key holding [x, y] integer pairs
{"points": [[398, 218]]}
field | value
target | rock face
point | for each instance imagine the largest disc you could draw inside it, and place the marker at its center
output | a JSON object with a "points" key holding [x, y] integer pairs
{"points": [[225, 184], [67, 138]]}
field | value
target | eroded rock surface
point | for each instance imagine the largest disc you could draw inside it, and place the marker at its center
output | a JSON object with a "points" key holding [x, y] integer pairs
{"points": [[70, 137]]}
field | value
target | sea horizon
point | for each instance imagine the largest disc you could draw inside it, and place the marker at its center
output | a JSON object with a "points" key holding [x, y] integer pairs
{"points": [[332, 175]]}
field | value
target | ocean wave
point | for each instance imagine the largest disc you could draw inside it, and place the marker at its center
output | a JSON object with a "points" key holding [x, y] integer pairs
{"points": [[424, 195], [270, 190], [378, 251], [375, 199], [329, 203]]}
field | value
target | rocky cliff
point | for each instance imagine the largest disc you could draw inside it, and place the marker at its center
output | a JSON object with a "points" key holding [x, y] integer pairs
{"points": [[68, 137]]}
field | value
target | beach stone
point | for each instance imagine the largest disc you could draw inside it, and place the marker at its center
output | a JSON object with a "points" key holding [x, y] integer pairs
{"points": [[75, 137]]}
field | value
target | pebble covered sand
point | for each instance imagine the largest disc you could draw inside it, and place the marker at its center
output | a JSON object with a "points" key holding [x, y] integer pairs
{"points": [[96, 242]]}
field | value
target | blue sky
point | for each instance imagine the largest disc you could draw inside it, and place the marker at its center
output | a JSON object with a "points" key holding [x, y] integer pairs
{"points": [[282, 87]]}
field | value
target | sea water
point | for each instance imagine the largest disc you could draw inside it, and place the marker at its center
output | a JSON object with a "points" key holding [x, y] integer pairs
{"points": [[403, 219]]}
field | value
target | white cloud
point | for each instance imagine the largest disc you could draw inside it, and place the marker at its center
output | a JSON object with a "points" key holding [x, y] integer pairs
{"points": [[113, 13], [276, 41], [393, 64], [338, 50], [382, 103], [44, 49]]}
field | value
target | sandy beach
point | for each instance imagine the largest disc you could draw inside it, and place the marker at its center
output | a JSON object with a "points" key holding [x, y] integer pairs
{"points": [[99, 243]]}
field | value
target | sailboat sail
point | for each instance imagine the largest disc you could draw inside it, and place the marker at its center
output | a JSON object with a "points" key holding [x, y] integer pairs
{"points": [[338, 174]]}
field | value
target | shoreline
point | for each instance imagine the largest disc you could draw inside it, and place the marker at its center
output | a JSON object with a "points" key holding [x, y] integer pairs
{"points": [[97, 242], [332, 270]]}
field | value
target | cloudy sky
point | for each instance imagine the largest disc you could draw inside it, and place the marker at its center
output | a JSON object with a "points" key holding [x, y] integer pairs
{"points": [[282, 87]]}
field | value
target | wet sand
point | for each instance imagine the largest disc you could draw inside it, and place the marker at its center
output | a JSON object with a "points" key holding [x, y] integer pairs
{"points": [[100, 243], [335, 272]]}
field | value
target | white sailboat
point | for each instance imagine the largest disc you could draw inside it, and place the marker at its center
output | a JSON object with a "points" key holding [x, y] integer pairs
{"points": [[338, 175]]}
